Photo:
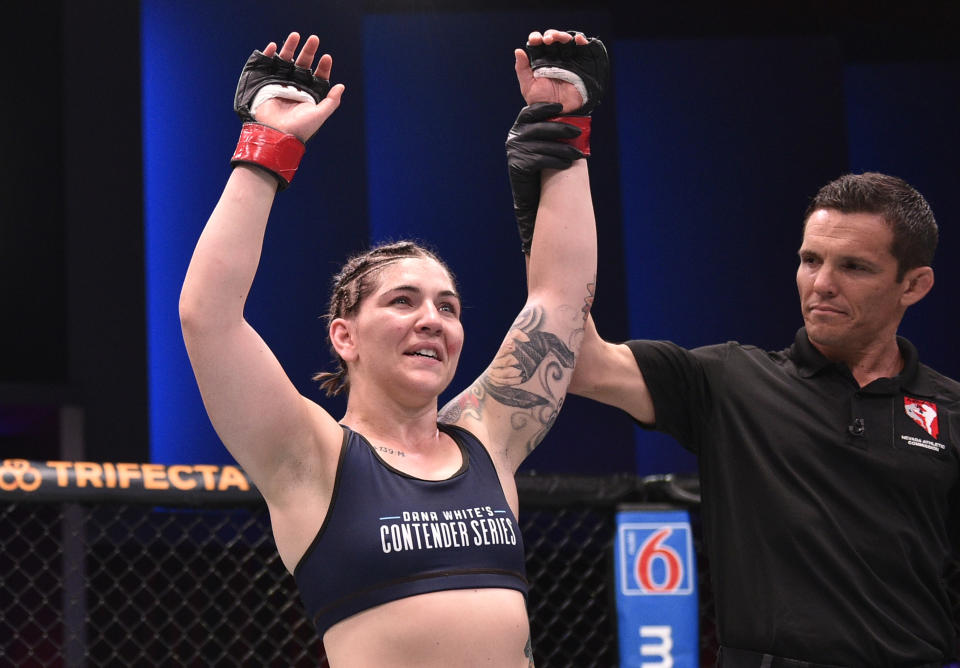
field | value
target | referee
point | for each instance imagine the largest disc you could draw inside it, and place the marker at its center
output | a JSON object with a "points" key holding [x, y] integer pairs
{"points": [[829, 470]]}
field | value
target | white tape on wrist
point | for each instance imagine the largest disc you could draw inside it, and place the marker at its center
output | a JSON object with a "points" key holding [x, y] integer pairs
{"points": [[271, 91], [563, 75]]}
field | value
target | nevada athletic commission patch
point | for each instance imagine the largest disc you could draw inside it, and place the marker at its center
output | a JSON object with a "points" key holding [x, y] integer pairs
{"points": [[924, 413]]}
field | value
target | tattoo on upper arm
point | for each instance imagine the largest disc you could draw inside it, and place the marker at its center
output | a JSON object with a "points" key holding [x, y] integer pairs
{"points": [[532, 357], [528, 652], [588, 300]]}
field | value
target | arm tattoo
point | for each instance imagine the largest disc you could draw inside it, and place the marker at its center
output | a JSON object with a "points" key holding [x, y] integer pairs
{"points": [[528, 652], [523, 357], [467, 403], [588, 301], [529, 356]]}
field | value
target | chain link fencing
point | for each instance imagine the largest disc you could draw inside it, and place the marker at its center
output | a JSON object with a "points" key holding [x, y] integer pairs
{"points": [[114, 577]]}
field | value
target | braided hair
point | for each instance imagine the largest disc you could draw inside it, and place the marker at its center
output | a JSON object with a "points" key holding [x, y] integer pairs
{"points": [[355, 281]]}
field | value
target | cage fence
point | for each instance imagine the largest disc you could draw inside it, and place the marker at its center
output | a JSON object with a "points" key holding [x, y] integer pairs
{"points": [[111, 577]]}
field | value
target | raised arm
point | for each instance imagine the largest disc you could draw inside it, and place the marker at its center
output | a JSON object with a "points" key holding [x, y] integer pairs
{"points": [[608, 373], [516, 400], [263, 421]]}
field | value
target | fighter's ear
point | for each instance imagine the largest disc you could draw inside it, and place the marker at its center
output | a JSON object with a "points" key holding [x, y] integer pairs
{"points": [[916, 284], [343, 338]]}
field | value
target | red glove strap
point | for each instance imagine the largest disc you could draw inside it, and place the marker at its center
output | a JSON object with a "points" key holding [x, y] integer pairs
{"points": [[582, 141], [277, 152]]}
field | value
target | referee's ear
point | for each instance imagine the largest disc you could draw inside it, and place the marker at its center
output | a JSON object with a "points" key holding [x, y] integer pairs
{"points": [[916, 284]]}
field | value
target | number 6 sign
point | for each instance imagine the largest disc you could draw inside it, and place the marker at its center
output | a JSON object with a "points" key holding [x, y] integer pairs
{"points": [[657, 607]]}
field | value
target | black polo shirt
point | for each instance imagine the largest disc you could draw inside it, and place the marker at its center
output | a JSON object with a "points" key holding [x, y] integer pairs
{"points": [[826, 507]]}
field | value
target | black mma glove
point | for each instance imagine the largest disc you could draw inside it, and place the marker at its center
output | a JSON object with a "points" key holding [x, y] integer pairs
{"points": [[585, 66], [261, 70], [277, 152], [535, 144]]}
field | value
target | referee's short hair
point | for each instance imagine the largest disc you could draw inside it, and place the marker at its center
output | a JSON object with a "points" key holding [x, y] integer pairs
{"points": [[915, 232]]}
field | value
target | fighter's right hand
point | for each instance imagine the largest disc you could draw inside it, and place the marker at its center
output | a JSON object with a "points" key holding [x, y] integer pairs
{"points": [[276, 90], [283, 103]]}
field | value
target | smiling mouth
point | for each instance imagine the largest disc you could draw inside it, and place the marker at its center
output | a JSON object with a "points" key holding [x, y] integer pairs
{"points": [[429, 354]]}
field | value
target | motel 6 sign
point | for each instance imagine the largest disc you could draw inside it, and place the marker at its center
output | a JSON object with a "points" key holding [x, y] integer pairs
{"points": [[657, 607]]}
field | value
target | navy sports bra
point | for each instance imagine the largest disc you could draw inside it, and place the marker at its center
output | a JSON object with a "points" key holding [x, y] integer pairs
{"points": [[389, 535]]}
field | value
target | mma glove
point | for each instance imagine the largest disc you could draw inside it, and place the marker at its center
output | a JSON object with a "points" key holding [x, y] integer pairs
{"points": [[534, 140], [585, 66], [265, 77]]}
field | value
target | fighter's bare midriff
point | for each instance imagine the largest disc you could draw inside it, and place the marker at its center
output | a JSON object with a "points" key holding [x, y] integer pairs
{"points": [[464, 628]]}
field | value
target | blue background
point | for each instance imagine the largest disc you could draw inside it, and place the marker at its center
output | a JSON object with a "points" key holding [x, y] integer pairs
{"points": [[719, 142], [719, 124]]}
